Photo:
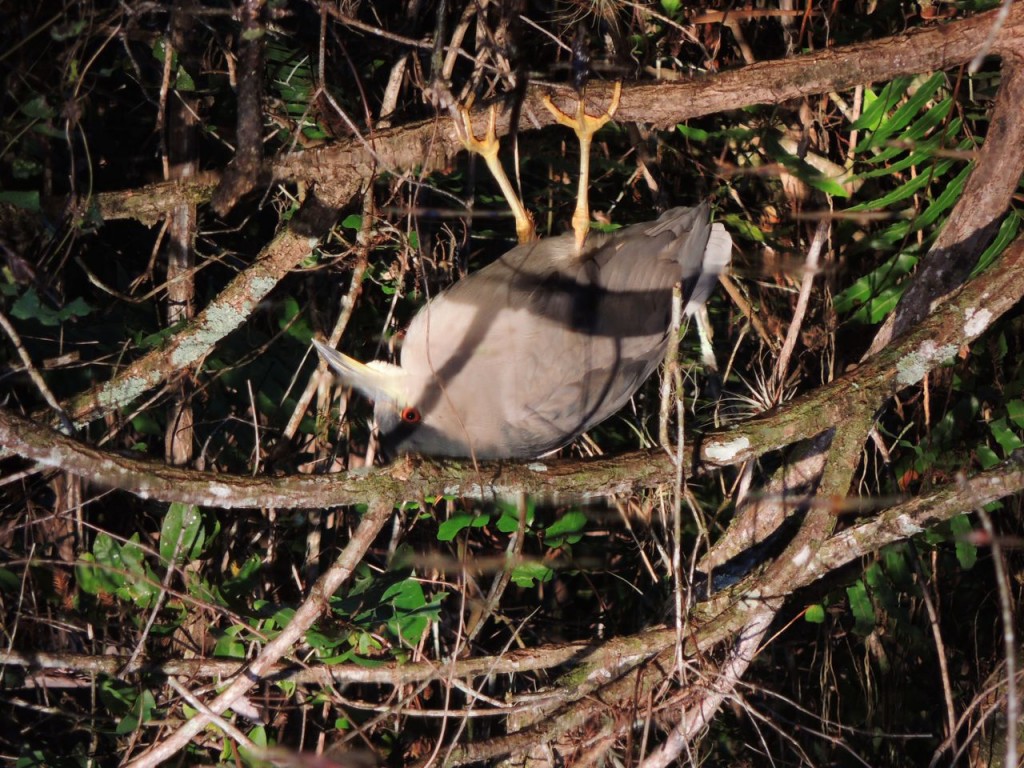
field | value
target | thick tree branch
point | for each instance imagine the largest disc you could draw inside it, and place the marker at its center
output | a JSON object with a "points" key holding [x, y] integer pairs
{"points": [[957, 323], [430, 144]]}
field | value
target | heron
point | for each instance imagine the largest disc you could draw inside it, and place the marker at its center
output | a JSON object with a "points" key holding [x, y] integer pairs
{"points": [[524, 355]]}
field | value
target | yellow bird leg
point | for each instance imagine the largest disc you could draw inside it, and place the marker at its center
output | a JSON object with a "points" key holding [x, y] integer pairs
{"points": [[487, 148], [584, 126]]}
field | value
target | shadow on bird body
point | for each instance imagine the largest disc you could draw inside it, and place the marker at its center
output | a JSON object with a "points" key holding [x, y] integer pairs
{"points": [[523, 356]]}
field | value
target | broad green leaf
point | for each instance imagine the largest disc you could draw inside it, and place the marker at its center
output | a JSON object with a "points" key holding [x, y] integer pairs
{"points": [[986, 457], [1006, 437], [182, 532], [453, 526], [407, 594], [228, 646], [29, 307], [694, 134], [862, 608], [95, 579], [966, 552], [1015, 410], [141, 713], [896, 566], [509, 520], [815, 614], [527, 575], [566, 530]]}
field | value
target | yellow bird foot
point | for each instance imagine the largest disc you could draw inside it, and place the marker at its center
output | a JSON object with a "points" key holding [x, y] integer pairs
{"points": [[487, 148], [584, 126]]}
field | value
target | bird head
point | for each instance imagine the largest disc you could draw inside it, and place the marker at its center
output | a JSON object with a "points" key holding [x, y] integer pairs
{"points": [[402, 425]]}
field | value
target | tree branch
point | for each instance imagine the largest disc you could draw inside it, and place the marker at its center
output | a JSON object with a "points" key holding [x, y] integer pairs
{"points": [[430, 144]]}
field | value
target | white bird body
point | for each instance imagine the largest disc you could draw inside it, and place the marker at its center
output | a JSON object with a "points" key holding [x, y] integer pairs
{"points": [[526, 354]]}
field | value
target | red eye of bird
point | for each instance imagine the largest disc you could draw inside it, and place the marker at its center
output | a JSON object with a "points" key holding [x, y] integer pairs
{"points": [[410, 415]]}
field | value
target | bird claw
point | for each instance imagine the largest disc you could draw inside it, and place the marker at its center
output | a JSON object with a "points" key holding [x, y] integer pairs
{"points": [[582, 124], [487, 148]]}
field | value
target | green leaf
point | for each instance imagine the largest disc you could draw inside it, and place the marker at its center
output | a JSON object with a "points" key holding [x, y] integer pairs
{"points": [[407, 594], [453, 526], [987, 458], [742, 227], [901, 117], [966, 552], [117, 695], [815, 614], [507, 523], [526, 575], [228, 646], [1006, 235], [145, 424], [96, 580], [292, 322], [37, 109], [141, 713], [183, 523], [566, 530], [1015, 410], [896, 566], [801, 169], [861, 607], [870, 286], [909, 188], [945, 200], [694, 134], [922, 152], [352, 221], [250, 758], [509, 520], [1006, 437], [879, 307], [912, 137], [36, 758], [9, 581], [183, 81], [875, 107], [29, 307]]}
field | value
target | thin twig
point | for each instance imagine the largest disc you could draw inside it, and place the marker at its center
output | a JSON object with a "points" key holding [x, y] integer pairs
{"points": [[795, 325]]}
